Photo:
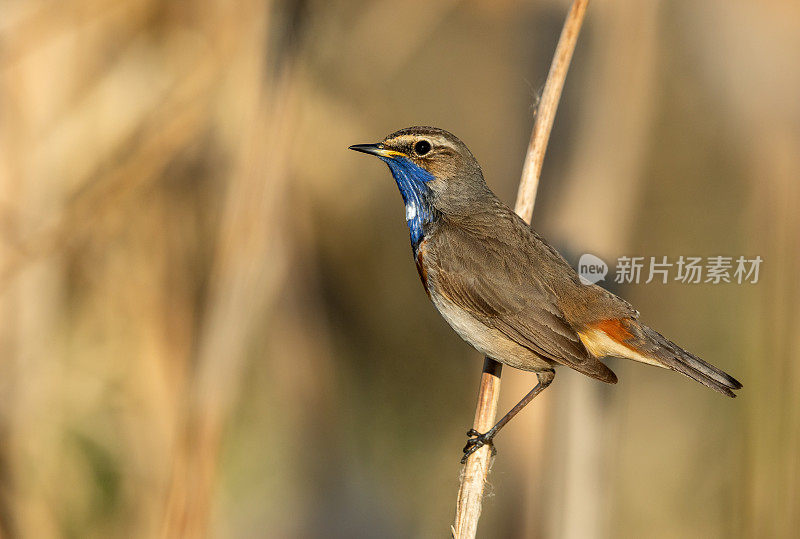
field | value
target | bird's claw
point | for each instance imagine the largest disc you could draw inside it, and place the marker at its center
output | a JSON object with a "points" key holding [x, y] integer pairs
{"points": [[476, 441]]}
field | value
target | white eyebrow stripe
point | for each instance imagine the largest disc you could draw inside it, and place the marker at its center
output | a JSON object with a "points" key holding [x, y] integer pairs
{"points": [[435, 140]]}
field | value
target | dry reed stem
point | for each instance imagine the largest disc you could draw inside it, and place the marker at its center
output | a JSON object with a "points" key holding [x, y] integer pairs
{"points": [[476, 469]]}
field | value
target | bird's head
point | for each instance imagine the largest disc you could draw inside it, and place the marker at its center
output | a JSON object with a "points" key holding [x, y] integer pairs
{"points": [[432, 162]]}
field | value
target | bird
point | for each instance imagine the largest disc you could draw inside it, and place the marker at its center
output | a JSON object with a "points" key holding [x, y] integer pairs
{"points": [[503, 288]]}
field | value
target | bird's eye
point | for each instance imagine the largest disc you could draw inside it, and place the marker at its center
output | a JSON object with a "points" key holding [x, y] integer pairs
{"points": [[422, 147]]}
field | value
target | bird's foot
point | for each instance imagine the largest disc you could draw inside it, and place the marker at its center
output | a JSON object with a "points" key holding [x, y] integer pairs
{"points": [[476, 441]]}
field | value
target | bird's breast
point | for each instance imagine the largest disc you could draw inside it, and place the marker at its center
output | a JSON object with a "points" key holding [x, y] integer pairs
{"points": [[419, 258]]}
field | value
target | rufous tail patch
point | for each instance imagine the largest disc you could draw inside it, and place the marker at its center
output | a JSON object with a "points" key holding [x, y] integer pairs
{"points": [[613, 338]]}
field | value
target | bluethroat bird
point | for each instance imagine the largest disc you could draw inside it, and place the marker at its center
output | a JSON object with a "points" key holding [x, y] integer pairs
{"points": [[502, 287]]}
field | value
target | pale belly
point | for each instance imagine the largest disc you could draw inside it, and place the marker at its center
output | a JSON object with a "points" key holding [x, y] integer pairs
{"points": [[488, 341]]}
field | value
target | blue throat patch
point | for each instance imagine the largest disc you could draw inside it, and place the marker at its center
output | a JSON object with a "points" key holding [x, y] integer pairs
{"points": [[412, 181]]}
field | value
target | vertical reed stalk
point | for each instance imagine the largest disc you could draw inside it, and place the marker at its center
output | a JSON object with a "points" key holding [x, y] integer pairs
{"points": [[476, 469]]}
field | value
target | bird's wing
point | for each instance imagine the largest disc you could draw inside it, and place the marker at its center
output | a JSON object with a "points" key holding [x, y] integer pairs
{"points": [[494, 278]]}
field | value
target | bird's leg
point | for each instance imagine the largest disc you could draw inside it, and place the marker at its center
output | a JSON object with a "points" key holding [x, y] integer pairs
{"points": [[477, 440]]}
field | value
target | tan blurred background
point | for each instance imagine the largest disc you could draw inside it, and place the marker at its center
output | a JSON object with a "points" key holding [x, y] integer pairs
{"points": [[210, 322]]}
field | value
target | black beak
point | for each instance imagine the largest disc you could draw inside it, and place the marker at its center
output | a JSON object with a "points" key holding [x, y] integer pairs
{"points": [[373, 149], [376, 149]]}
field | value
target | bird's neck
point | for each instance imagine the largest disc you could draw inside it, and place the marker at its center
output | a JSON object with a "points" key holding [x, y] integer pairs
{"points": [[412, 181]]}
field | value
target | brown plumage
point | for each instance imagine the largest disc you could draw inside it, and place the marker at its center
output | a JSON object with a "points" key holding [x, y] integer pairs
{"points": [[501, 286]]}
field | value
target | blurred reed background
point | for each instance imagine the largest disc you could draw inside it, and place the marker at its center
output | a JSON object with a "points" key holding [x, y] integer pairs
{"points": [[210, 323]]}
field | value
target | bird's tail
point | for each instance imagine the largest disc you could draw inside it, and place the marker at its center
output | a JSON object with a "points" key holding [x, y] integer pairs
{"points": [[629, 339]]}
